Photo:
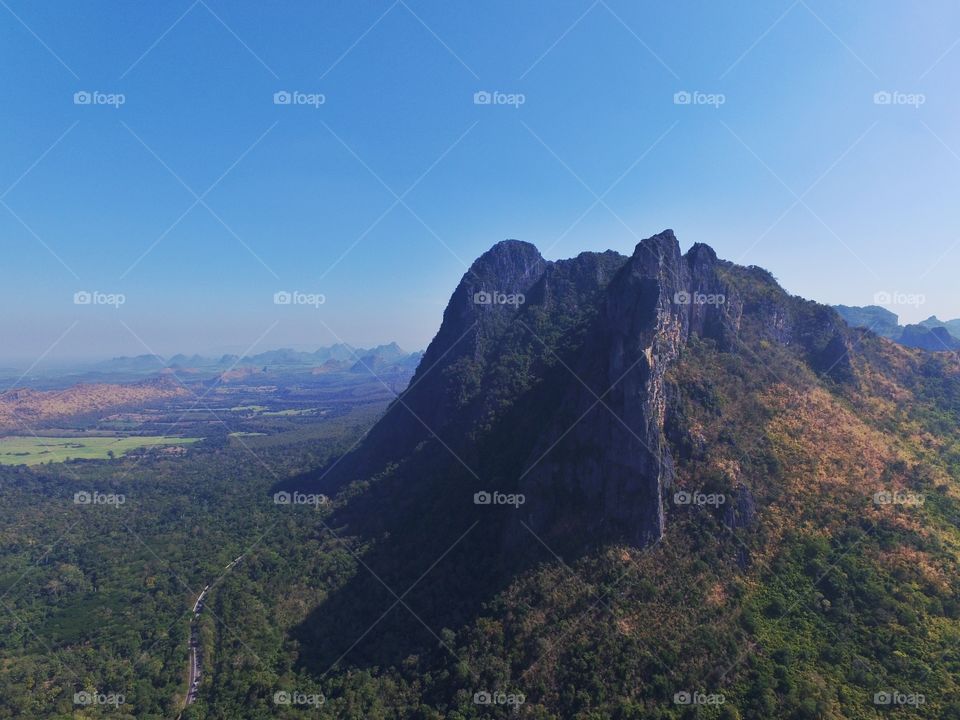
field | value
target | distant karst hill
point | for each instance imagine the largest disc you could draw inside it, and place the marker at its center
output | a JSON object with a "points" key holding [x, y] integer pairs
{"points": [[335, 358], [932, 334]]}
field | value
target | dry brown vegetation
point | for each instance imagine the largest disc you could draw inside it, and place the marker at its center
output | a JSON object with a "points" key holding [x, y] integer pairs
{"points": [[22, 409]]}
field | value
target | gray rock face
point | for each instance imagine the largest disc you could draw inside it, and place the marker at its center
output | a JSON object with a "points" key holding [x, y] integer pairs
{"points": [[599, 469]]}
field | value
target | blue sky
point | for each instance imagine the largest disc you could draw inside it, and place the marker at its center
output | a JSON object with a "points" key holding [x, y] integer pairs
{"points": [[378, 197]]}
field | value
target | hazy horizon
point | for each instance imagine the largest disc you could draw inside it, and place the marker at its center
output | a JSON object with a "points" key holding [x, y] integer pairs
{"points": [[264, 344]]}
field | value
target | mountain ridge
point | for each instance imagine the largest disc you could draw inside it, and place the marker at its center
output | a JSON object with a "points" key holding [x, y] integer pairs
{"points": [[931, 334]]}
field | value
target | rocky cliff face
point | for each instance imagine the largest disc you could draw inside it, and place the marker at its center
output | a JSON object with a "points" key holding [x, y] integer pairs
{"points": [[549, 379], [599, 469]]}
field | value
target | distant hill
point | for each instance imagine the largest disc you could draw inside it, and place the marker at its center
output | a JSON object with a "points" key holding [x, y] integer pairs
{"points": [[952, 326], [22, 409], [335, 358], [932, 334], [384, 357], [873, 317]]}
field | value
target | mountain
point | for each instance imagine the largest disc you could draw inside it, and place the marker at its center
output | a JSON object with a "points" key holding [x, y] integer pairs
{"points": [[931, 334], [952, 326], [599, 331], [138, 363], [618, 481], [932, 339], [379, 359], [25, 409], [335, 358], [873, 317]]}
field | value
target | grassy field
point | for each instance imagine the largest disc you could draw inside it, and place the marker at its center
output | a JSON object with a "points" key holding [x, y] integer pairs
{"points": [[35, 450], [295, 412]]}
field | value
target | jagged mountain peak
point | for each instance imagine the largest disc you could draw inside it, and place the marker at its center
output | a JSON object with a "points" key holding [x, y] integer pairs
{"points": [[700, 252], [508, 266], [665, 238]]}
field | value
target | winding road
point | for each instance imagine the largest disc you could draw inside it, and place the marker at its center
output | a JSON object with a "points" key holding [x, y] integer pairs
{"points": [[196, 654]]}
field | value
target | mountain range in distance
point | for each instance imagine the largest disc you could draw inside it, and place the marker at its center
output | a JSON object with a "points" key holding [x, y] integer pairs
{"points": [[387, 359], [338, 357], [931, 334]]}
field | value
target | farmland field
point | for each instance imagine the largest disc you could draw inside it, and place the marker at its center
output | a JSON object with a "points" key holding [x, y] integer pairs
{"points": [[19, 450]]}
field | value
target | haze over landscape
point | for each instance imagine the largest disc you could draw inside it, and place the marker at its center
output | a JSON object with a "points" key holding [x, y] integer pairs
{"points": [[451, 361]]}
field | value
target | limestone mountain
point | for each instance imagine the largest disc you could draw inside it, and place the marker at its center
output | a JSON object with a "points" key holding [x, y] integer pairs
{"points": [[952, 326], [932, 334], [547, 379], [618, 481]]}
